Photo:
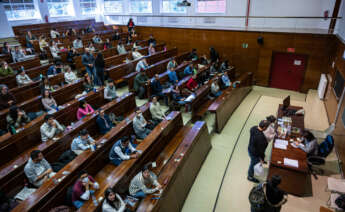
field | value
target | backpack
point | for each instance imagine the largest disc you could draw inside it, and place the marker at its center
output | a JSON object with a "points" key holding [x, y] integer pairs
{"points": [[326, 147], [340, 201], [257, 197]]}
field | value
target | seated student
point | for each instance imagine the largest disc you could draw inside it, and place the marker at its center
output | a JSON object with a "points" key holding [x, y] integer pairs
{"points": [[310, 146], [55, 50], [151, 49], [116, 36], [214, 69], [189, 70], [152, 40], [50, 128], [5, 69], [54, 33], [225, 80], [17, 118], [42, 42], [45, 85], [88, 84], [141, 185], [83, 142], [179, 99], [6, 49], [192, 84], [156, 110], [91, 47], [141, 65], [215, 91], [121, 48], [140, 125], [136, 54], [18, 54], [83, 189], [204, 61], [136, 45], [30, 38], [113, 202], [193, 55], [37, 169], [71, 54], [97, 39], [172, 76], [71, 32], [110, 91], [6, 98], [103, 122], [107, 44], [78, 43], [224, 66], [90, 29], [54, 69], [214, 56], [129, 40], [139, 84], [49, 102], [22, 78], [122, 150], [84, 110], [70, 76], [157, 89], [172, 64]]}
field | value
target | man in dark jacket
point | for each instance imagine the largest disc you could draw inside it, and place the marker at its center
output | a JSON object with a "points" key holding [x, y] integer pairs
{"points": [[257, 147], [6, 98], [157, 89], [103, 122], [88, 61]]}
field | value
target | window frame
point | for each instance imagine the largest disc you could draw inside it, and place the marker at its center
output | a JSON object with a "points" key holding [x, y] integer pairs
{"points": [[61, 16], [88, 14], [171, 13], [110, 12], [139, 13], [36, 9], [209, 13]]}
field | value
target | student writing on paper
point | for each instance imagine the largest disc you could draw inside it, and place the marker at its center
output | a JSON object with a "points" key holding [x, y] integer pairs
{"points": [[310, 146]]}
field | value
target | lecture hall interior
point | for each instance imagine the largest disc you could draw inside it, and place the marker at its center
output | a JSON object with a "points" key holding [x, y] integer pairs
{"points": [[172, 105]]}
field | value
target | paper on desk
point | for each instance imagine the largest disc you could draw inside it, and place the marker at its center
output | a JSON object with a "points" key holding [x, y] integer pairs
{"points": [[281, 142], [291, 162], [280, 146]]}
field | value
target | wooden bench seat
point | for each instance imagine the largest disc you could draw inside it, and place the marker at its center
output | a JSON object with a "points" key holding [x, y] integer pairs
{"points": [[53, 149], [178, 176], [151, 147], [227, 102]]}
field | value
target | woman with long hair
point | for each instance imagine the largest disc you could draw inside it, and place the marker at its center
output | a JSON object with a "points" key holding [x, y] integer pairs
{"points": [[84, 110], [49, 102], [113, 202]]}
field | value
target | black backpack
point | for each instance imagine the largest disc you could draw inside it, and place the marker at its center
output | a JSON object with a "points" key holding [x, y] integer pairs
{"points": [[340, 201], [257, 197]]}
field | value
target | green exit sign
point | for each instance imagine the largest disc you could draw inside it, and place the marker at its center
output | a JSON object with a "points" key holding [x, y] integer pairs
{"points": [[244, 45]]}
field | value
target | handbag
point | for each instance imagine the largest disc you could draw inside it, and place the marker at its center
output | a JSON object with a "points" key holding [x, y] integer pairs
{"points": [[257, 197]]}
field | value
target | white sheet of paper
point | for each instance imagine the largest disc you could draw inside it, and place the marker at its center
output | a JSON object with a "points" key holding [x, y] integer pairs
{"points": [[280, 146], [281, 142], [291, 162]]}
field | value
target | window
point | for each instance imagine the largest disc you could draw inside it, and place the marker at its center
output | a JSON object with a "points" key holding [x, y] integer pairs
{"points": [[141, 6], [211, 6], [88, 7], [113, 6], [20, 9], [170, 6], [60, 8]]}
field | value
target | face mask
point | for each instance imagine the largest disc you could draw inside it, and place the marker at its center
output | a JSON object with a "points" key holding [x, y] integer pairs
{"points": [[85, 180]]}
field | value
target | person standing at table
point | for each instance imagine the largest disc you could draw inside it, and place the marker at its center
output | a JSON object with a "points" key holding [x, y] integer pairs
{"points": [[270, 132], [256, 148]]}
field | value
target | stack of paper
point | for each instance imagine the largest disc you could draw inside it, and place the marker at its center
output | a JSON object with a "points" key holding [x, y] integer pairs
{"points": [[291, 162], [281, 144]]}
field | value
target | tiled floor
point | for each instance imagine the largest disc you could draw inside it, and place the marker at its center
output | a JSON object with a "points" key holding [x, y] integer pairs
{"points": [[221, 184]]}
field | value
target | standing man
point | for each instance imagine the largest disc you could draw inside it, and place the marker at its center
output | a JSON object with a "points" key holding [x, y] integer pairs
{"points": [[88, 61], [257, 147]]}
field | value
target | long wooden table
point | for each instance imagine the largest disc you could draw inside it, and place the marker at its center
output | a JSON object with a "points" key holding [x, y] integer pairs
{"points": [[294, 180]]}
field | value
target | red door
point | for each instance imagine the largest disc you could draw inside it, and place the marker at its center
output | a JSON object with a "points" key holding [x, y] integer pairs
{"points": [[287, 71]]}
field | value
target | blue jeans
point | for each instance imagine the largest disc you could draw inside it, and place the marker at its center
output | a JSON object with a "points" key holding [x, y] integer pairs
{"points": [[79, 203], [253, 161], [140, 195], [218, 93]]}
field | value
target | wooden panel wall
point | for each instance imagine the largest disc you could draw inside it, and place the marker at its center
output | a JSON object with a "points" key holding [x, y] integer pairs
{"points": [[255, 58]]}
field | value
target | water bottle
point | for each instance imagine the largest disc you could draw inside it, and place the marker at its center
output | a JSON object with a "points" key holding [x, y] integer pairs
{"points": [[127, 120], [94, 200], [93, 147]]}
